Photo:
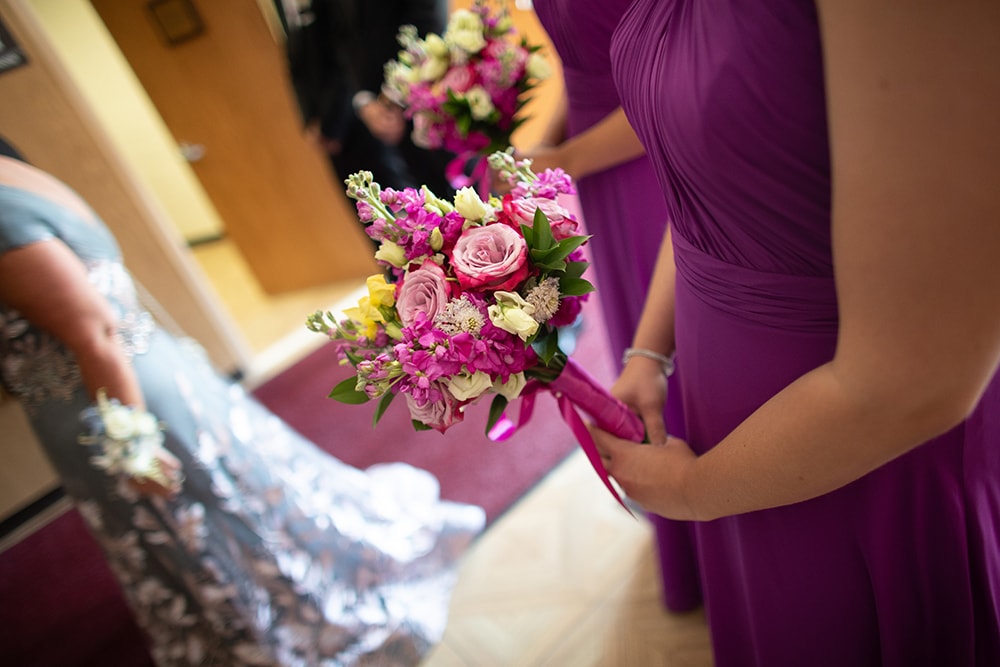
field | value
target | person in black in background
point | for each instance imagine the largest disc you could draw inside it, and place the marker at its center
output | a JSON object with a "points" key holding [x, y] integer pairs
{"points": [[337, 50]]}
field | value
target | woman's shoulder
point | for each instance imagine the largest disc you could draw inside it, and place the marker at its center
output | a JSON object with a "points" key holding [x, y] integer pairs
{"points": [[23, 218]]}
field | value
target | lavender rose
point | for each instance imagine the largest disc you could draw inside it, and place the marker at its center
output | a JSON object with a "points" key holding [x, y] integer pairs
{"points": [[562, 222], [440, 414], [493, 257], [423, 290]]}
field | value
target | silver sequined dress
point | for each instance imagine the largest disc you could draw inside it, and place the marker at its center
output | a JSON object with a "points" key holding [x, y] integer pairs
{"points": [[274, 553]]}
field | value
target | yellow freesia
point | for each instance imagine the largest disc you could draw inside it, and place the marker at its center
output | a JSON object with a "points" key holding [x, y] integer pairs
{"points": [[381, 293], [366, 316]]}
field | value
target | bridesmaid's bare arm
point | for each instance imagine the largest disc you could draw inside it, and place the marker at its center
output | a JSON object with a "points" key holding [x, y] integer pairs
{"points": [[914, 103], [608, 143]]}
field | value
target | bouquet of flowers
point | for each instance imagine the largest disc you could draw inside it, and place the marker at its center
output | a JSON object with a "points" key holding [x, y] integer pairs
{"points": [[478, 294], [464, 89]]}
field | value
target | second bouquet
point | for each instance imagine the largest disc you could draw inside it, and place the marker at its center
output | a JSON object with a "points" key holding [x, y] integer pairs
{"points": [[471, 304]]}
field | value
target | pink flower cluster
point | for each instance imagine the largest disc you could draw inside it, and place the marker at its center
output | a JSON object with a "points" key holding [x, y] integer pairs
{"points": [[464, 88], [476, 293]]}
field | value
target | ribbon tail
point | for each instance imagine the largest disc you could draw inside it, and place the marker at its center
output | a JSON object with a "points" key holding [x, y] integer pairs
{"points": [[479, 178], [506, 427], [579, 429]]}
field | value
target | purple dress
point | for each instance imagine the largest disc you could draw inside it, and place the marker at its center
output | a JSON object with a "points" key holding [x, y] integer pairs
{"points": [[900, 567], [623, 208]]}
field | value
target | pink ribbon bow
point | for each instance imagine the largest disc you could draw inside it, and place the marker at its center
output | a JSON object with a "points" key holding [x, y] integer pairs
{"points": [[576, 388]]}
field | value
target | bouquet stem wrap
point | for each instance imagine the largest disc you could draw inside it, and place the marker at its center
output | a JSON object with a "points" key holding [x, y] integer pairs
{"points": [[574, 388]]}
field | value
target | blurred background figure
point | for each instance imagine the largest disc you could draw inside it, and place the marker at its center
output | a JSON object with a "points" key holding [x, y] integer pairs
{"points": [[336, 51]]}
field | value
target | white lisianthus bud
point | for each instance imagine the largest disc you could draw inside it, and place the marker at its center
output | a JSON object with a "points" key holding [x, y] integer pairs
{"points": [[538, 67], [513, 314], [435, 204], [512, 388], [435, 46], [392, 253], [437, 239], [479, 102], [433, 69], [469, 205], [465, 387]]}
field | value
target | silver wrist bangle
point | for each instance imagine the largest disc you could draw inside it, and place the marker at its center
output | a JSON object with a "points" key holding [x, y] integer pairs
{"points": [[666, 363]]}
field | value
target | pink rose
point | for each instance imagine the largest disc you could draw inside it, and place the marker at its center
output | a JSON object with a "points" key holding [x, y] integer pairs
{"points": [[459, 79], [522, 211], [494, 257], [423, 290], [440, 414]]}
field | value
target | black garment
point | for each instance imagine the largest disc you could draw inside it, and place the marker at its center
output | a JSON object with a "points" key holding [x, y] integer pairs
{"points": [[339, 47], [8, 150]]}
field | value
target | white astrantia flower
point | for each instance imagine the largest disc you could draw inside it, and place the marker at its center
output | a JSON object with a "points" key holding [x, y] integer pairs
{"points": [[545, 298], [460, 316]]}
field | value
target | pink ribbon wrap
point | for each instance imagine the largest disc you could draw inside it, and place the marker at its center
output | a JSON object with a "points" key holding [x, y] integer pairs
{"points": [[478, 179], [576, 388]]}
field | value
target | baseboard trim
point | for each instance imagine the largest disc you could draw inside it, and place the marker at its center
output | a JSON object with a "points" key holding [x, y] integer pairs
{"points": [[31, 517]]}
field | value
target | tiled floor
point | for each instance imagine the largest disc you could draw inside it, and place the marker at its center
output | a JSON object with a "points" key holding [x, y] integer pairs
{"points": [[566, 578]]}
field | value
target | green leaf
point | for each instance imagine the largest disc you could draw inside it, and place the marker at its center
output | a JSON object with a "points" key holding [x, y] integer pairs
{"points": [[546, 347], [497, 407], [346, 392], [543, 231], [419, 426], [576, 269], [546, 265], [464, 124], [575, 286], [529, 235], [383, 405], [568, 245]]}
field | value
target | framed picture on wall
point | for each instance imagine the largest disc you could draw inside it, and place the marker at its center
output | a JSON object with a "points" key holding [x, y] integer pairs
{"points": [[177, 20]]}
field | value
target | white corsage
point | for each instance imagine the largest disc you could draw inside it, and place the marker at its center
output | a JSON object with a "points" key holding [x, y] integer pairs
{"points": [[130, 443]]}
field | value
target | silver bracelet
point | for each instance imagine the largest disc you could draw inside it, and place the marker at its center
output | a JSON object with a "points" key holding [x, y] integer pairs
{"points": [[666, 363]]}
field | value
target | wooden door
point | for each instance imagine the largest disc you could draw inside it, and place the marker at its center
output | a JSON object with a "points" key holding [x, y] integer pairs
{"points": [[225, 89]]}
